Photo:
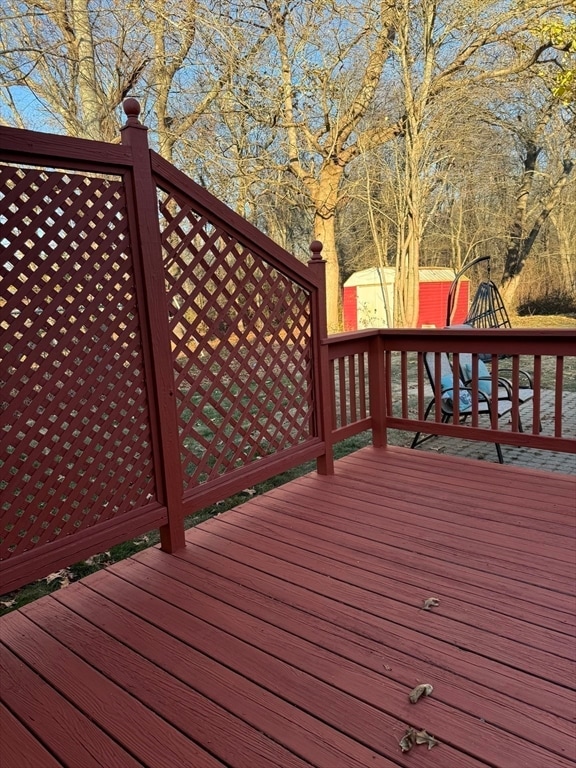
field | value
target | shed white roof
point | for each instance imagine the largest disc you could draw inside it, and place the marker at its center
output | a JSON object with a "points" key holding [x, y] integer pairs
{"points": [[371, 276]]}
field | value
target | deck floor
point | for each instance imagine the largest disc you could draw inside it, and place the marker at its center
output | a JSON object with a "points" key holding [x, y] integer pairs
{"points": [[290, 631]]}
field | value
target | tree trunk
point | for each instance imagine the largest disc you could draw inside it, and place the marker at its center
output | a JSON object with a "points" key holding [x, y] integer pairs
{"points": [[566, 233], [520, 247], [325, 200], [406, 298], [88, 88], [514, 253]]}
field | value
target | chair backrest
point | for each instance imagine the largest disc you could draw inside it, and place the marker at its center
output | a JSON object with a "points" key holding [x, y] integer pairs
{"points": [[465, 361], [484, 356], [484, 380], [447, 382], [487, 309], [430, 365]]}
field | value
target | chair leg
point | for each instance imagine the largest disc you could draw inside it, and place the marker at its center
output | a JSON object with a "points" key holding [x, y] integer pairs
{"points": [[499, 452], [416, 440]]}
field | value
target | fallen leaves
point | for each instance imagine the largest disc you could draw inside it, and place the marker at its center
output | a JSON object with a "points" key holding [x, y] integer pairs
{"points": [[63, 576], [412, 737], [431, 602], [408, 740], [105, 558], [424, 689]]}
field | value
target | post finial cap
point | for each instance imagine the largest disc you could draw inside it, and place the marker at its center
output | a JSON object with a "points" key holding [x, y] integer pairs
{"points": [[316, 248], [131, 109]]}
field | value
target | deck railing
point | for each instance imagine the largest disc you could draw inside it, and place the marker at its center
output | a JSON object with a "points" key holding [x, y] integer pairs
{"points": [[380, 382]]}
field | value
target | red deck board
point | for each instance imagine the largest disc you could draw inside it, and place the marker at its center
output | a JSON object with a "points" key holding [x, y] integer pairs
{"points": [[211, 628], [69, 734], [502, 542], [521, 506], [383, 657], [406, 595], [366, 628], [432, 494], [345, 677], [308, 736], [478, 507], [22, 747], [358, 589], [466, 500], [414, 554], [496, 593], [526, 566], [195, 715], [376, 543], [290, 631], [480, 476], [351, 552], [150, 739]]}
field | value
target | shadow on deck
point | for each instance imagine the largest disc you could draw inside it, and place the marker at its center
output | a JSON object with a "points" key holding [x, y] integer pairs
{"points": [[290, 631]]}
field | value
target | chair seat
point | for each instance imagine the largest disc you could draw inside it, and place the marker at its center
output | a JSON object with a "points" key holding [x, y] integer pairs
{"points": [[504, 406], [524, 394]]}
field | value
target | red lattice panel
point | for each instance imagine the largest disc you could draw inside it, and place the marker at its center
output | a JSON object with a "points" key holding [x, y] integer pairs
{"points": [[76, 445], [240, 333]]}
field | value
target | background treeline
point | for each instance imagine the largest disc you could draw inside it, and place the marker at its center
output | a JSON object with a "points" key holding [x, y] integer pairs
{"points": [[402, 133]]}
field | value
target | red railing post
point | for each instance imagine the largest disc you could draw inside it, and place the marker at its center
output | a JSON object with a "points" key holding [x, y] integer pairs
{"points": [[377, 374], [322, 385], [147, 245]]}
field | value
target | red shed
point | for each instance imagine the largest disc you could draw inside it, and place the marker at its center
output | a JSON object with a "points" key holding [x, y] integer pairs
{"points": [[368, 300]]}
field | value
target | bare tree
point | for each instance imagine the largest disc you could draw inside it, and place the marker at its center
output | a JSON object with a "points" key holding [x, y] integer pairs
{"points": [[78, 60], [525, 227], [317, 84], [556, 116], [447, 55], [563, 220], [245, 94], [342, 80], [195, 48]]}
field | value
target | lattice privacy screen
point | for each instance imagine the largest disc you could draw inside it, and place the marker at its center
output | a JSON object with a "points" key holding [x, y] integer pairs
{"points": [[240, 333], [75, 423]]}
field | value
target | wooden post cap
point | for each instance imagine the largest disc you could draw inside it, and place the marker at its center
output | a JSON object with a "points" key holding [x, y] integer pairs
{"points": [[316, 248], [131, 109]]}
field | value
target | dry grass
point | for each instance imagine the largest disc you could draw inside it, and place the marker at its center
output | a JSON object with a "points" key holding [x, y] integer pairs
{"points": [[543, 321]]}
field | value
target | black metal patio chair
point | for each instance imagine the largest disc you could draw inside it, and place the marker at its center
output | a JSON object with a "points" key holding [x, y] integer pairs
{"points": [[486, 403]]}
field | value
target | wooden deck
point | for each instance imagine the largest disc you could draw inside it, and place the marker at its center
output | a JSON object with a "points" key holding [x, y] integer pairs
{"points": [[290, 631]]}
